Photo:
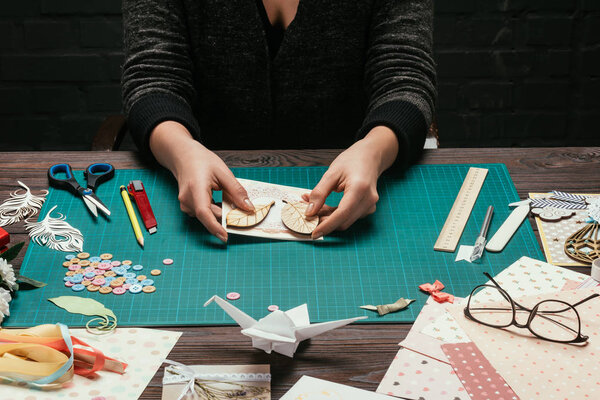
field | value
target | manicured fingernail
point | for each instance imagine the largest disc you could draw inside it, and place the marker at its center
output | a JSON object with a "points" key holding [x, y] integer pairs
{"points": [[249, 203], [222, 237], [317, 235], [309, 208]]}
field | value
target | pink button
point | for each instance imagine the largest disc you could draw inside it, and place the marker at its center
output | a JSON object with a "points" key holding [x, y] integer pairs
{"points": [[168, 261], [104, 266], [98, 272], [74, 267], [90, 269], [126, 286], [233, 295], [69, 284], [119, 290], [273, 307], [98, 281], [115, 263]]}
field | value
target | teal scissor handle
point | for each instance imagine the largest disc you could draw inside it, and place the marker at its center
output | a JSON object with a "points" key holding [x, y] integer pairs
{"points": [[98, 173], [68, 183]]}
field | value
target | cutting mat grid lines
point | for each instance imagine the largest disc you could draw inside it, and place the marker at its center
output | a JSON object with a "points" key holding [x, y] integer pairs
{"points": [[380, 259]]}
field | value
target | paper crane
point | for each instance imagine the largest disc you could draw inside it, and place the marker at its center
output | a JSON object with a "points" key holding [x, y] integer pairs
{"points": [[279, 331]]}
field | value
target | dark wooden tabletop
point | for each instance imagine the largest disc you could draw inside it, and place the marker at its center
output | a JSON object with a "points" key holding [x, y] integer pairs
{"points": [[353, 355]]}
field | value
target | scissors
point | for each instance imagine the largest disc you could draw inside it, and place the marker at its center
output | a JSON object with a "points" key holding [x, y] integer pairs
{"points": [[94, 174]]}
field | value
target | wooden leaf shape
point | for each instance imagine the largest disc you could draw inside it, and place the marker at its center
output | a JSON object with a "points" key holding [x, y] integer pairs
{"points": [[293, 216], [244, 219]]}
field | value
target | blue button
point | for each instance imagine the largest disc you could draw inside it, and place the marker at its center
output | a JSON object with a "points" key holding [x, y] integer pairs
{"points": [[135, 288], [119, 270], [78, 288], [138, 267], [67, 279], [126, 266], [130, 275], [132, 281], [95, 259], [90, 275], [77, 278], [147, 282], [69, 256], [109, 279]]}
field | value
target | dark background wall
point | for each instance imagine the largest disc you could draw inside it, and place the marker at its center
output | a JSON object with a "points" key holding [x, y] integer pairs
{"points": [[511, 72]]}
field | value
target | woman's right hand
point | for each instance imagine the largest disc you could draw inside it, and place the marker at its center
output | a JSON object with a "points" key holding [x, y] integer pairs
{"points": [[198, 171]]}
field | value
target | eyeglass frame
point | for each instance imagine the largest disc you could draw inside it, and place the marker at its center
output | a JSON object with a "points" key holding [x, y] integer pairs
{"points": [[532, 313]]}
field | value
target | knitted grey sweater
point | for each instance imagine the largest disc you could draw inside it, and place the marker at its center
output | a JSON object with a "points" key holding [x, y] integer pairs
{"points": [[343, 68]]}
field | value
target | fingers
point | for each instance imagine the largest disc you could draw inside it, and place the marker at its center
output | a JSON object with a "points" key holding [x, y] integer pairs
{"points": [[346, 213], [317, 196], [234, 190], [197, 203], [217, 211]]}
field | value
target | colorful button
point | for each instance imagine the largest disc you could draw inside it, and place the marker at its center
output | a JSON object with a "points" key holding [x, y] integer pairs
{"points": [[95, 259], [135, 288], [99, 281], [168, 261], [75, 260], [89, 269], [109, 274], [119, 290], [126, 266], [83, 255], [138, 267], [109, 279], [149, 289], [273, 307], [84, 263], [89, 275], [130, 275], [69, 284], [119, 270], [147, 282], [79, 271], [115, 263], [105, 289], [70, 273], [155, 272], [77, 278], [99, 272], [67, 279], [126, 286], [141, 277], [126, 262], [116, 283], [94, 264], [73, 267], [104, 266], [67, 264], [69, 257], [86, 282], [93, 288], [132, 281], [106, 256], [233, 295]]}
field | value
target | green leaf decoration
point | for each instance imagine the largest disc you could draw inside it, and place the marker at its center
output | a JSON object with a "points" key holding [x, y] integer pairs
{"points": [[107, 320], [29, 283], [12, 252]]}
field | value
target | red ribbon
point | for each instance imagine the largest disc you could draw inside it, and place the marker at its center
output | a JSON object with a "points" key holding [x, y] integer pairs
{"points": [[435, 291]]}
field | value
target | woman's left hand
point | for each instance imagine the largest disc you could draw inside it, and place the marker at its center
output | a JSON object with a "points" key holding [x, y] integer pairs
{"points": [[355, 172]]}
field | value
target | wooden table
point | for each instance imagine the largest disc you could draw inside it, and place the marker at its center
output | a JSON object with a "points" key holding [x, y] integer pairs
{"points": [[355, 355]]}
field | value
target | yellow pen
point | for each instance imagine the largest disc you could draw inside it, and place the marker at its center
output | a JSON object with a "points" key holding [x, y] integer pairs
{"points": [[132, 217]]}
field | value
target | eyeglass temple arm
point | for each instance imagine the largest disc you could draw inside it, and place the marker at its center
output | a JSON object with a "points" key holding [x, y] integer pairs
{"points": [[509, 299]]}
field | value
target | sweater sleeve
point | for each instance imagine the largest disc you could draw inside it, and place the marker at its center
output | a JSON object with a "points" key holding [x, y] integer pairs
{"points": [[157, 83], [400, 73]]}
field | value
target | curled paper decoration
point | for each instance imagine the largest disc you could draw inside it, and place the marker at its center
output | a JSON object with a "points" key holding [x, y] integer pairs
{"points": [[384, 309], [45, 357], [55, 233], [20, 205], [435, 290], [216, 386], [106, 318]]}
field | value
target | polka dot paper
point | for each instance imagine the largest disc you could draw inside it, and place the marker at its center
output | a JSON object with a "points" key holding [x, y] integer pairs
{"points": [[416, 376], [539, 369], [143, 349], [476, 373]]}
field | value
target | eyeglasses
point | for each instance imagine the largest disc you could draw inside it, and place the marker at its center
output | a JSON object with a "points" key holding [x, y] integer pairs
{"points": [[552, 320]]}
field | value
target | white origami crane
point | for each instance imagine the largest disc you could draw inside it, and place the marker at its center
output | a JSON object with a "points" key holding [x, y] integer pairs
{"points": [[279, 331]]}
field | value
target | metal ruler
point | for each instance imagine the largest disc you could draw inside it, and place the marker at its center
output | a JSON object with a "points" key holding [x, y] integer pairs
{"points": [[461, 210]]}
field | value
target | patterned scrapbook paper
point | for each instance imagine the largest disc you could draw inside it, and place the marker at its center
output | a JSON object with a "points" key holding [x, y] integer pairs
{"points": [[538, 369], [476, 373], [415, 376], [446, 329], [554, 235]]}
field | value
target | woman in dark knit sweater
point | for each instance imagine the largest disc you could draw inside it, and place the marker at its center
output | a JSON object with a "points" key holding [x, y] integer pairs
{"points": [[243, 74]]}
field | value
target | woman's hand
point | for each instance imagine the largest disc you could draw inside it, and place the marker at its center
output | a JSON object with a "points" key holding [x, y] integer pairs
{"points": [[355, 172], [198, 171]]}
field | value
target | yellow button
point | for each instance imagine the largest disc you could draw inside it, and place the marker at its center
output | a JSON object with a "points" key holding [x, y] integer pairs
{"points": [[83, 255], [141, 277], [105, 289], [70, 273], [109, 273], [67, 264], [116, 283], [80, 271], [126, 262], [94, 264], [86, 282], [148, 289], [155, 272], [84, 263], [106, 256], [93, 288], [75, 260]]}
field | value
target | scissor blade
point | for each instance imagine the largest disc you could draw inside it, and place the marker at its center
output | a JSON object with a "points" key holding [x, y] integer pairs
{"points": [[98, 203], [91, 206]]}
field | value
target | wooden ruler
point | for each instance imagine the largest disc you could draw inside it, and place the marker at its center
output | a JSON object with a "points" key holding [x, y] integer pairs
{"points": [[461, 210]]}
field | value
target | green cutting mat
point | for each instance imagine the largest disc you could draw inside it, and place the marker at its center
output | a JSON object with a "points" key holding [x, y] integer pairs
{"points": [[378, 260]]}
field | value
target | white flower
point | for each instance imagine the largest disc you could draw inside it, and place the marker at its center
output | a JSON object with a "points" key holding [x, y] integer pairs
{"points": [[7, 273], [4, 300]]}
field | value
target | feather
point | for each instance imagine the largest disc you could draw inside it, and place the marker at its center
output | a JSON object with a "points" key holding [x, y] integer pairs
{"points": [[20, 205], [55, 233]]}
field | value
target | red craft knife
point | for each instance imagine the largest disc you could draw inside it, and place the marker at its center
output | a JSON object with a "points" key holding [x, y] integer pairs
{"points": [[4, 240], [136, 189]]}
